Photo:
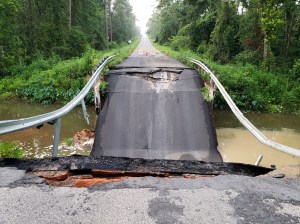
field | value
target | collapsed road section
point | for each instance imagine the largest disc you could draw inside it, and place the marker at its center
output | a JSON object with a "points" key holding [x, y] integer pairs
{"points": [[155, 113], [81, 171]]}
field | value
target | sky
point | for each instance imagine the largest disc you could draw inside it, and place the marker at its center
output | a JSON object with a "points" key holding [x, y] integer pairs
{"points": [[143, 10]]}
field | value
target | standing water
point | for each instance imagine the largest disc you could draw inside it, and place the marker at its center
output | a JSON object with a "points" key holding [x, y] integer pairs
{"points": [[236, 144], [38, 143]]}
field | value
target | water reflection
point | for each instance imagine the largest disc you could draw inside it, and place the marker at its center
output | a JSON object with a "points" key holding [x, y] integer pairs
{"points": [[236, 144]]}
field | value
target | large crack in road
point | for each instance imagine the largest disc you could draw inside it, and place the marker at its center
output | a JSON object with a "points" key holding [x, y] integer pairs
{"points": [[155, 113]]}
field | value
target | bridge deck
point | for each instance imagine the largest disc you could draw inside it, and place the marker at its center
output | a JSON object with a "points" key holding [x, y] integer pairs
{"points": [[155, 112]]}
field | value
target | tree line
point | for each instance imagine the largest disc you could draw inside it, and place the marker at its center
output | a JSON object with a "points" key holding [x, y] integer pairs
{"points": [[260, 32], [41, 28]]}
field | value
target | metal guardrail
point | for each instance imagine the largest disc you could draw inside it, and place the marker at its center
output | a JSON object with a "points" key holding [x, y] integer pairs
{"points": [[54, 117], [260, 136]]}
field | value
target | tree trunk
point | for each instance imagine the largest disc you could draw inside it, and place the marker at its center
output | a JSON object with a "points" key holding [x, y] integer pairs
{"points": [[106, 21], [289, 28], [110, 20], [70, 14], [266, 46]]}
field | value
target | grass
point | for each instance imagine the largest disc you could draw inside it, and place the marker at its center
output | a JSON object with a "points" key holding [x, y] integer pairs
{"points": [[68, 141], [10, 150], [55, 80]]}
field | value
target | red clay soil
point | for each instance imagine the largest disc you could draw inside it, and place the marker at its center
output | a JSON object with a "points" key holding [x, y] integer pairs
{"points": [[95, 177], [83, 136]]}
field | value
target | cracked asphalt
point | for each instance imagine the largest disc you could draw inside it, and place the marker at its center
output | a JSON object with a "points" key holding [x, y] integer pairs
{"points": [[221, 199], [154, 109], [25, 198]]}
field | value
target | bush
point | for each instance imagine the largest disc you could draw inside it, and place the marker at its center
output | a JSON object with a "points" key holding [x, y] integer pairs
{"points": [[180, 42], [56, 80], [250, 87], [295, 71], [248, 57], [10, 150], [103, 87]]}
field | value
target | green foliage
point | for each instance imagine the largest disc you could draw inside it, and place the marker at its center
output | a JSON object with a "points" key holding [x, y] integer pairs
{"points": [[247, 57], [123, 19], [182, 40], [103, 87], [47, 28], [205, 94], [10, 150], [295, 71], [251, 88], [57, 80], [68, 141], [205, 76], [256, 41], [224, 39], [263, 33]]}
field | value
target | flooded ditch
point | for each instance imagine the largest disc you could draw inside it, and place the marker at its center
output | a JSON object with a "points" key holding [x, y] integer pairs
{"points": [[235, 143]]}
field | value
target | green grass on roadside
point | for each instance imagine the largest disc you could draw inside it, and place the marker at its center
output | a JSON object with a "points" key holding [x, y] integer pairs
{"points": [[56, 80], [10, 150], [251, 88], [68, 141]]}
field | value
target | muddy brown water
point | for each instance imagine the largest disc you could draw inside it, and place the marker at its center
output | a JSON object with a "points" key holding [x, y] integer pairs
{"points": [[235, 143], [37, 143]]}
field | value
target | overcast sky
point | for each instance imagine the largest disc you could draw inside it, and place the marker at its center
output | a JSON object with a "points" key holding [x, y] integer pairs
{"points": [[143, 10]]}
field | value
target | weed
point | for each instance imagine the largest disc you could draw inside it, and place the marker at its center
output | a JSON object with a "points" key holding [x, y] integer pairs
{"points": [[68, 141], [10, 150], [103, 87], [205, 94]]}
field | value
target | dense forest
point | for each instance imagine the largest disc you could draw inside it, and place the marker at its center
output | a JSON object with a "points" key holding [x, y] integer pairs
{"points": [[31, 29], [249, 31], [259, 39], [49, 48]]}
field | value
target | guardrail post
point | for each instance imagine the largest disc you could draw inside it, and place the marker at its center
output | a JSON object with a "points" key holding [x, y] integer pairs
{"points": [[57, 126], [258, 134], [259, 159], [97, 99], [85, 114]]}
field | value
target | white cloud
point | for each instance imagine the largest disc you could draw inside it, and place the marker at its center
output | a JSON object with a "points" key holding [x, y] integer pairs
{"points": [[143, 10]]}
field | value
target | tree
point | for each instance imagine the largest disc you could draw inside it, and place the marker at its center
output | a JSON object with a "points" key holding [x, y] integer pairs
{"points": [[271, 18], [123, 21], [31, 28], [10, 42], [70, 14], [224, 37]]}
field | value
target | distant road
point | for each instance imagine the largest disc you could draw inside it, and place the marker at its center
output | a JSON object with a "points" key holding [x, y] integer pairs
{"points": [[154, 109]]}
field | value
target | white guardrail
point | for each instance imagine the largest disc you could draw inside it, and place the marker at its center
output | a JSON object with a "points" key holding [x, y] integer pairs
{"points": [[260, 136], [54, 117]]}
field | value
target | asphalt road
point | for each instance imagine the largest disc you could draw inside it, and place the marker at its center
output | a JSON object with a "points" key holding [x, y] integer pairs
{"points": [[154, 109], [25, 198], [223, 199]]}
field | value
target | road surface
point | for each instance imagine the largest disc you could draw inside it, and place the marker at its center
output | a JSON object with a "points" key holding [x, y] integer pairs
{"points": [[222, 199], [154, 109]]}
